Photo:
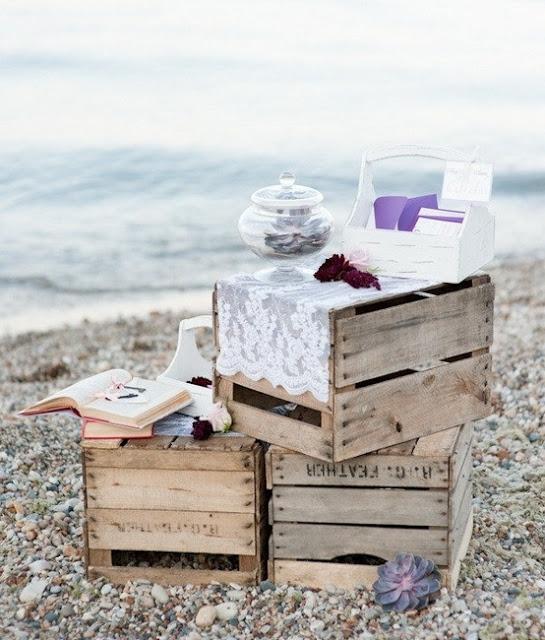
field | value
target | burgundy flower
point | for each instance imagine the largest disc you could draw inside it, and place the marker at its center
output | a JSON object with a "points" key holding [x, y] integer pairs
{"points": [[408, 582], [200, 381], [332, 269], [358, 279], [202, 429]]}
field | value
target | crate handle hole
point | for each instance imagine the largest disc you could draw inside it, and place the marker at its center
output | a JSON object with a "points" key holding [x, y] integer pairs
{"points": [[359, 558]]}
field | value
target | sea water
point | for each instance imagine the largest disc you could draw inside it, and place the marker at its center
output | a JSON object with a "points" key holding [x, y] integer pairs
{"points": [[132, 135]]}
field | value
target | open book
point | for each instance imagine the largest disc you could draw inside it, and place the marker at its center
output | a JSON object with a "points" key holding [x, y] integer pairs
{"points": [[137, 402]]}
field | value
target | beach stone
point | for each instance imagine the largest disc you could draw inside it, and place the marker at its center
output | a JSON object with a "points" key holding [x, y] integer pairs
{"points": [[317, 626], [266, 585], [20, 614], [310, 602], [106, 589], [66, 611], [33, 591], [235, 595], [146, 601], [206, 616], [226, 610], [38, 566], [159, 594]]}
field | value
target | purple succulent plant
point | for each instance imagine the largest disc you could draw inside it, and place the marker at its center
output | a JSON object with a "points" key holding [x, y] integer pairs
{"points": [[408, 582]]}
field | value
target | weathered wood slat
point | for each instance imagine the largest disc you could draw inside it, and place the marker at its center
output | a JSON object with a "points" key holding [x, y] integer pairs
{"points": [[461, 484], [121, 575], [170, 459], [319, 574], [441, 443], [102, 444], [458, 549], [282, 431], [417, 404], [183, 531], [150, 444], [370, 470], [462, 446], [224, 491], [402, 449], [218, 443], [328, 541], [389, 340], [361, 506], [100, 556]]}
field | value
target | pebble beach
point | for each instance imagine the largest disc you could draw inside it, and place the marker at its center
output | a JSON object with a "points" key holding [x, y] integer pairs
{"points": [[44, 592]]}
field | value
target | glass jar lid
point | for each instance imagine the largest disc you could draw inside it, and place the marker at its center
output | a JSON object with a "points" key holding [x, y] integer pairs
{"points": [[287, 194]]}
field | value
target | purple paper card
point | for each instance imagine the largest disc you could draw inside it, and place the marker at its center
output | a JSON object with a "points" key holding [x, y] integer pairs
{"points": [[387, 211], [409, 215]]}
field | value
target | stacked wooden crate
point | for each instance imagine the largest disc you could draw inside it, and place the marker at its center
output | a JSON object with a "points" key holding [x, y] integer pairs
{"points": [[407, 372], [332, 523], [400, 368], [176, 495], [383, 466]]}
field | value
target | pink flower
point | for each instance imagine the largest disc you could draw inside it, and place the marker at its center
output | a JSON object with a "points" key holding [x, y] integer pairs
{"points": [[219, 417], [360, 259]]}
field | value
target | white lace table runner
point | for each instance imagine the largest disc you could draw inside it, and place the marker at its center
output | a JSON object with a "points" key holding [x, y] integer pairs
{"points": [[281, 332]]}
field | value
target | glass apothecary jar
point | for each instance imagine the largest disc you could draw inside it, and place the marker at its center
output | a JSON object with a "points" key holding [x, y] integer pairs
{"points": [[286, 224]]}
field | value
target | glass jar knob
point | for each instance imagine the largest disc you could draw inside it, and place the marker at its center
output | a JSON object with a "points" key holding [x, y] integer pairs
{"points": [[287, 179]]}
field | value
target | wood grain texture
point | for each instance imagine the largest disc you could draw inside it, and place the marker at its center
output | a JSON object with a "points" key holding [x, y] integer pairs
{"points": [[217, 443], [417, 404], [99, 556], [102, 444], [370, 470], [159, 575], [388, 340], [328, 541], [459, 553], [440, 444], [461, 484], [150, 444], [171, 458], [462, 446], [224, 491], [318, 575], [282, 431], [361, 506], [180, 531]]}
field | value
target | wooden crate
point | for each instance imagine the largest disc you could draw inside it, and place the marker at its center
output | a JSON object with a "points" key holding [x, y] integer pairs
{"points": [[414, 497], [404, 367], [175, 495]]}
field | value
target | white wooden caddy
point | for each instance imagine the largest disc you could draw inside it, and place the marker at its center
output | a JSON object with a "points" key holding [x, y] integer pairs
{"points": [[414, 255]]}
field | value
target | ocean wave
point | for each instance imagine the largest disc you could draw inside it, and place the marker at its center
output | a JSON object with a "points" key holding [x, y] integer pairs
{"points": [[43, 283], [90, 176]]}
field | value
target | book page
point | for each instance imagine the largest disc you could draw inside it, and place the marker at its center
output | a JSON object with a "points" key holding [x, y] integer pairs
{"points": [[82, 392], [154, 395]]}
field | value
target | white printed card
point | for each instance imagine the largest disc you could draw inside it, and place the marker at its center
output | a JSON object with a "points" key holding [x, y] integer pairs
{"points": [[468, 181]]}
